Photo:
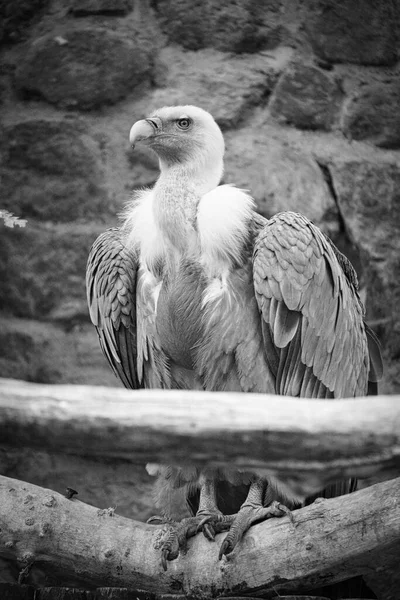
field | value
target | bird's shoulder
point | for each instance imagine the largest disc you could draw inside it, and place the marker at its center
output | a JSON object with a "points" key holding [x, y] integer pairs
{"points": [[224, 223], [290, 244], [140, 231]]}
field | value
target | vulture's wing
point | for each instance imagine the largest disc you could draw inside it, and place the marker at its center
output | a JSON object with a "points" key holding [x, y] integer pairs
{"points": [[111, 292], [374, 346], [315, 339], [153, 365]]}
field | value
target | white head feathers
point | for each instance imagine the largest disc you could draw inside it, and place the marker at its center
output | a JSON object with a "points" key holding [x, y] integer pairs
{"points": [[185, 136]]}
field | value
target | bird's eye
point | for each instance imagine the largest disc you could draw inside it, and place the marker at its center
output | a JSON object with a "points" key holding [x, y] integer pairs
{"points": [[184, 123]]}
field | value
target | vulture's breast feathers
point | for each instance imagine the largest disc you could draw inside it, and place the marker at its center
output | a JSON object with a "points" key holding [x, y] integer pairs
{"points": [[182, 281], [216, 243]]}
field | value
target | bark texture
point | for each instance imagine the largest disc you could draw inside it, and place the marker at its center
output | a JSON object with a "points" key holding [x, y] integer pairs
{"points": [[307, 443], [329, 541]]}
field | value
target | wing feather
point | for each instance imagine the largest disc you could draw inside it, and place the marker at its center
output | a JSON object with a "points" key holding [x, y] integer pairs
{"points": [[376, 365], [307, 293], [111, 294], [291, 377], [153, 365], [285, 325]]}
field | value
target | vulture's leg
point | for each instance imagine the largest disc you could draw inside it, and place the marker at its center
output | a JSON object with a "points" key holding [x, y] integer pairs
{"points": [[208, 512], [253, 510], [208, 519]]}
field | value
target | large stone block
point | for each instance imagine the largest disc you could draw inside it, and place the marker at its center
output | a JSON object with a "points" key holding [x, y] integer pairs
{"points": [[45, 352], [81, 8], [85, 67], [368, 194], [278, 176], [372, 114], [353, 31], [226, 25], [227, 86], [42, 266], [306, 97], [52, 170], [15, 18]]}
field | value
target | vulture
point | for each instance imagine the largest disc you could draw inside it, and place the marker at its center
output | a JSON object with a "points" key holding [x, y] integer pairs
{"points": [[195, 290]]}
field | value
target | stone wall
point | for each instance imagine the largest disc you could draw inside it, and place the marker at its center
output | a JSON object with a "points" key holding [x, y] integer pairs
{"points": [[307, 94]]}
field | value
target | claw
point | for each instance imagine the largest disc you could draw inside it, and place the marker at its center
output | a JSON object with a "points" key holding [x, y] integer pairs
{"points": [[207, 527], [280, 510], [226, 548], [203, 522], [209, 532], [157, 520], [173, 539], [164, 558], [248, 515]]}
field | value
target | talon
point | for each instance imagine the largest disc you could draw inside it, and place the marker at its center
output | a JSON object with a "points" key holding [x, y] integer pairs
{"points": [[174, 538], [225, 548], [284, 510], [209, 533], [164, 558], [156, 520], [202, 523]]}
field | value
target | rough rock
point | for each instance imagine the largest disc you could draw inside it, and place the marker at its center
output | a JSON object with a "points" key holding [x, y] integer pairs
{"points": [[278, 176], [145, 168], [224, 85], [52, 170], [82, 8], [84, 68], [373, 114], [368, 195], [45, 352], [306, 97], [226, 25], [15, 18], [41, 266], [354, 31]]}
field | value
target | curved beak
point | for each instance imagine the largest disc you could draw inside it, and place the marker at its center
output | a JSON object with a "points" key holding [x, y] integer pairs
{"points": [[144, 129]]}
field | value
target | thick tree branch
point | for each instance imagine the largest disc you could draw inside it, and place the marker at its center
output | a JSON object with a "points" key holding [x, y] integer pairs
{"points": [[331, 540], [306, 442]]}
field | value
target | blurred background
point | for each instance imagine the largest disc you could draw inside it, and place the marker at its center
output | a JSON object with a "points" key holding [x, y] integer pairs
{"points": [[307, 95]]}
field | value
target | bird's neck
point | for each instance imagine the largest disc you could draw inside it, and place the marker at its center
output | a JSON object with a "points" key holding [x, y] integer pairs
{"points": [[177, 194], [203, 176]]}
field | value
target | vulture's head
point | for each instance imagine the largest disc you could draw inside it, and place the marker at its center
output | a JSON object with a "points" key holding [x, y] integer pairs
{"points": [[181, 135]]}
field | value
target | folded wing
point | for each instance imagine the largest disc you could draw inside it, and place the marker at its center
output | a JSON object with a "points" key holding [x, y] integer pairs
{"points": [[312, 318], [111, 292]]}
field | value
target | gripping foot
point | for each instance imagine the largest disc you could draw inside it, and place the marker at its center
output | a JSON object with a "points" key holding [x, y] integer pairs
{"points": [[173, 538], [248, 515]]}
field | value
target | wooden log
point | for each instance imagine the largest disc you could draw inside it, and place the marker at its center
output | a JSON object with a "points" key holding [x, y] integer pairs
{"points": [[305, 442], [329, 541], [11, 591]]}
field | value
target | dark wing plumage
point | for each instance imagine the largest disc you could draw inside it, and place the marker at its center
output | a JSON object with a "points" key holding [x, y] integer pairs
{"points": [[111, 293], [313, 327], [374, 347]]}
